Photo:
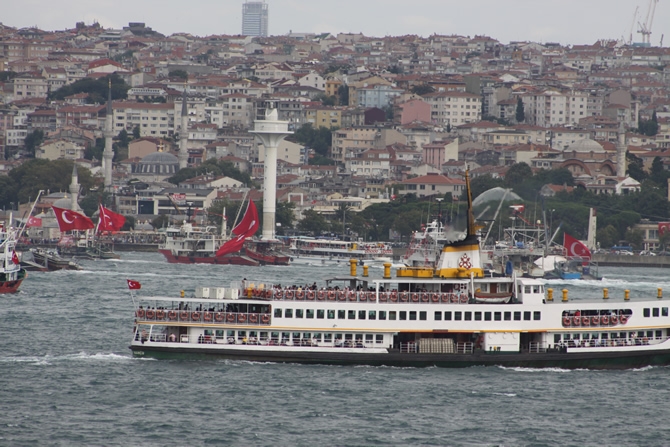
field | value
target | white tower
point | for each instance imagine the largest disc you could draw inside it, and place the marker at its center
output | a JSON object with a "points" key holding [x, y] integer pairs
{"points": [[183, 133], [74, 189], [108, 153], [621, 152], [270, 131]]}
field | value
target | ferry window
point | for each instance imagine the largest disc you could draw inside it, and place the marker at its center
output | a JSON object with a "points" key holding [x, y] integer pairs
{"points": [[230, 333], [219, 333], [650, 334], [487, 316], [412, 315], [536, 289], [327, 338], [392, 314], [664, 311], [468, 316], [274, 336], [402, 315], [526, 316], [382, 315], [209, 332], [340, 314], [361, 315], [349, 337], [507, 316], [458, 315], [351, 315], [299, 313], [320, 313], [306, 336], [557, 338], [646, 312], [497, 316], [438, 315], [517, 316], [526, 289], [310, 313], [331, 314], [603, 336], [537, 315], [478, 316], [379, 338], [447, 315], [277, 313], [369, 338], [285, 337], [338, 336], [317, 337], [655, 312], [288, 313], [422, 315], [659, 334], [372, 315], [241, 335]]}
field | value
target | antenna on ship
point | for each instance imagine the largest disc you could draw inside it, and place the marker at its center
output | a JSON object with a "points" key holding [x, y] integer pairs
{"points": [[472, 228]]}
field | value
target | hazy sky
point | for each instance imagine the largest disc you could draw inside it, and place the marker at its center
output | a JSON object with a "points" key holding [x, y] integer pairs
{"points": [[565, 21]]}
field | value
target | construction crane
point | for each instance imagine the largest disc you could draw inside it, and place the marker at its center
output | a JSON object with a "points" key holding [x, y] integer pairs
{"points": [[645, 28], [632, 25]]}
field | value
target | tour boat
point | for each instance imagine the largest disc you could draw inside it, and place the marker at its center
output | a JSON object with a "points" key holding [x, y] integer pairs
{"points": [[425, 246], [11, 272], [452, 315], [308, 250]]}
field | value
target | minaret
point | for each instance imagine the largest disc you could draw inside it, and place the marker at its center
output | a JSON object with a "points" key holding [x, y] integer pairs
{"points": [[74, 189], [621, 152], [183, 133], [270, 131], [108, 153]]}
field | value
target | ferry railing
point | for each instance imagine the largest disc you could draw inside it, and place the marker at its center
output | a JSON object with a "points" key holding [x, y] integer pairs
{"points": [[409, 347], [611, 342], [536, 347], [359, 296], [465, 348]]}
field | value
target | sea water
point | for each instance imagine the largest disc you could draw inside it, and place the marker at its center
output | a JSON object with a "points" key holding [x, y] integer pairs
{"points": [[67, 378]]}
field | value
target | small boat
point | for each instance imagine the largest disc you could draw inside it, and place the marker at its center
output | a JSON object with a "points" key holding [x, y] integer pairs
{"points": [[11, 272], [452, 315], [319, 251], [51, 260]]}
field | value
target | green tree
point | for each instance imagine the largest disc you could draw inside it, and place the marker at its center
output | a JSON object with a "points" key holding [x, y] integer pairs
{"points": [[89, 203], [123, 138], [422, 89], [214, 167], [39, 174], [318, 139], [607, 237], [313, 223], [7, 75], [8, 191], [635, 238], [635, 167], [161, 221], [517, 174], [129, 224], [97, 89], [343, 95], [284, 215], [325, 99], [33, 140], [483, 183], [520, 113], [136, 132], [407, 222], [96, 150]]}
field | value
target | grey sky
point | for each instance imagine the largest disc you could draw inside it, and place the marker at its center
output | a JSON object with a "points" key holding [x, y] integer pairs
{"points": [[565, 21]]}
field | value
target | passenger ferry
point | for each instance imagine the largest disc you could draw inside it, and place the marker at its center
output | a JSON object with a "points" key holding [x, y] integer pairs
{"points": [[308, 250], [452, 315]]}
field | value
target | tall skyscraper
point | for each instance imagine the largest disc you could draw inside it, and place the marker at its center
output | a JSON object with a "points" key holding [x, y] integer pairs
{"points": [[255, 19]]}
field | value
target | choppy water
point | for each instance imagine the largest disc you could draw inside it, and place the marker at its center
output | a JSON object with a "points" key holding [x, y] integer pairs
{"points": [[67, 378]]}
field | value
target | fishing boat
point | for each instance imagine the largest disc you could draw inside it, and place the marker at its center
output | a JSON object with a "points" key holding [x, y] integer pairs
{"points": [[309, 250], [48, 259], [11, 272], [452, 315]]}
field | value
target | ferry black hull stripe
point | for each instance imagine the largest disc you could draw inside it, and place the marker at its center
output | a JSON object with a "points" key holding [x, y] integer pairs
{"points": [[587, 360]]}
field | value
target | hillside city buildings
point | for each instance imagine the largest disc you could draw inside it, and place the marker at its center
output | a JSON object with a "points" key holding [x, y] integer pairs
{"points": [[405, 112]]}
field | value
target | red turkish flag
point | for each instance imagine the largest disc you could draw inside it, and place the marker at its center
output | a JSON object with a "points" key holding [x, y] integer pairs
{"points": [[246, 228], [15, 259], [663, 227], [109, 220], [34, 222], [71, 220], [573, 247], [134, 285]]}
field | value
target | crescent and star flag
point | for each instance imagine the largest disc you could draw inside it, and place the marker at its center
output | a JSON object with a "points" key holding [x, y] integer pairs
{"points": [[15, 259], [134, 285], [246, 228], [71, 220], [663, 227], [34, 222], [573, 247], [109, 220]]}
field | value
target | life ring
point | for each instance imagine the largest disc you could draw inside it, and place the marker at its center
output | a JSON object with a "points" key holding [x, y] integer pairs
{"points": [[268, 293], [415, 297], [434, 297], [299, 295], [464, 298], [140, 313], [253, 318], [241, 318], [586, 321], [454, 298], [614, 319], [289, 294], [321, 295], [160, 314], [230, 318], [331, 295], [623, 319], [394, 294], [265, 319], [605, 320], [254, 293], [362, 296], [595, 321], [424, 297], [195, 316], [403, 296], [310, 295], [151, 314], [219, 317], [445, 297], [279, 294], [352, 296], [207, 316], [576, 321], [566, 321], [183, 315], [341, 296], [172, 315]]}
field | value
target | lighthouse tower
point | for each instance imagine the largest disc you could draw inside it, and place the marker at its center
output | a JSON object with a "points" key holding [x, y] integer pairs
{"points": [[270, 131]]}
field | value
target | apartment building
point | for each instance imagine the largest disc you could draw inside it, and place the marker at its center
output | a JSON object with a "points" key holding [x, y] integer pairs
{"points": [[454, 108], [154, 120], [236, 110]]}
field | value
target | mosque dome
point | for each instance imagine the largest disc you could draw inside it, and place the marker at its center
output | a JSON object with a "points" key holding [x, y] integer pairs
{"points": [[65, 202], [585, 145], [159, 163]]}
